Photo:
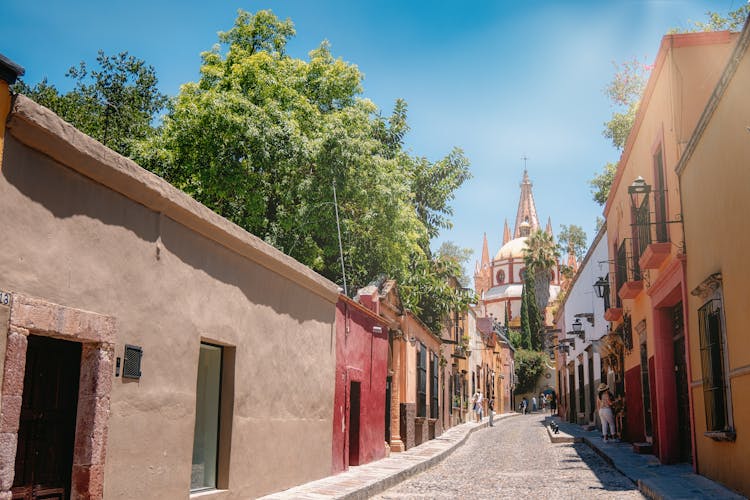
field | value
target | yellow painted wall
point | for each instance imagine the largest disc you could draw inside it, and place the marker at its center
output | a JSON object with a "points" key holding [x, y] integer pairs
{"points": [[716, 201]]}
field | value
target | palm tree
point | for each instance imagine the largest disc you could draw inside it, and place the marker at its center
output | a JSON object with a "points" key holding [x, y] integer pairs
{"points": [[540, 255]]}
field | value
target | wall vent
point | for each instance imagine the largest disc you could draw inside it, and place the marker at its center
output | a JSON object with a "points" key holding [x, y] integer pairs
{"points": [[131, 366]]}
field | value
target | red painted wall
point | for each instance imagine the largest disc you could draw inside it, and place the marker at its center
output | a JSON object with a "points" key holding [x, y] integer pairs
{"points": [[634, 432], [361, 356]]}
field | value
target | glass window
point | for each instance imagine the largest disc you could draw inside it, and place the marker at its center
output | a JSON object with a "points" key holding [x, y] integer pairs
{"points": [[206, 437]]}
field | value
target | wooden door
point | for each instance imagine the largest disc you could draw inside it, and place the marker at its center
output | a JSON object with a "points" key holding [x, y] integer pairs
{"points": [[44, 457]]}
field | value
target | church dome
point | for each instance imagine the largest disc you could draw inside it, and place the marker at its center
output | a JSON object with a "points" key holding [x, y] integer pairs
{"points": [[512, 250]]}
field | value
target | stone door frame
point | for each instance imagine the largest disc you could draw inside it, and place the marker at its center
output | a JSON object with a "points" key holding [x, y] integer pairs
{"points": [[96, 334]]}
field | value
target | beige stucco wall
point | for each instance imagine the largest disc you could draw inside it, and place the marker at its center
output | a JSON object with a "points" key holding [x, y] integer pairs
{"points": [[716, 202], [131, 246], [686, 71]]}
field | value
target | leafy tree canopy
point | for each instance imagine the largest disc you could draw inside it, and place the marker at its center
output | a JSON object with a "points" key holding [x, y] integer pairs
{"points": [[602, 183], [114, 101], [529, 367], [733, 21], [450, 251], [540, 256], [262, 138], [572, 240]]}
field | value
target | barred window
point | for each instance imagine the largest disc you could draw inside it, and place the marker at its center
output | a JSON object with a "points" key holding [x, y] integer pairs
{"points": [[434, 391], [422, 381], [712, 364]]}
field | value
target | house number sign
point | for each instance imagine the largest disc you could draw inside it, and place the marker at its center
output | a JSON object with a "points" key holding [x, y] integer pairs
{"points": [[4, 298]]}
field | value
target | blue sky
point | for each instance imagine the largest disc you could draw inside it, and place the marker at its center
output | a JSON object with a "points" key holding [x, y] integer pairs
{"points": [[498, 79]]}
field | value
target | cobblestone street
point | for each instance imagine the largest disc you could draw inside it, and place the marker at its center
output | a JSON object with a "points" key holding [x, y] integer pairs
{"points": [[515, 459]]}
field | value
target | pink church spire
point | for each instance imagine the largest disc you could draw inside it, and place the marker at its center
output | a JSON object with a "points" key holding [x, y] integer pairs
{"points": [[506, 233], [526, 219]]}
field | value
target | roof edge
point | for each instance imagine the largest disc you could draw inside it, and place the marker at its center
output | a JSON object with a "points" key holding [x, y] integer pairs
{"points": [[39, 128], [716, 96], [10, 71]]}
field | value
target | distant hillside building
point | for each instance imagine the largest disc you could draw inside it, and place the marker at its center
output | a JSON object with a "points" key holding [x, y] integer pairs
{"points": [[499, 282]]}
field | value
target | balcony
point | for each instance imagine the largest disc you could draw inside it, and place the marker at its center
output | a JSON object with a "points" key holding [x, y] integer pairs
{"points": [[650, 236], [628, 272]]}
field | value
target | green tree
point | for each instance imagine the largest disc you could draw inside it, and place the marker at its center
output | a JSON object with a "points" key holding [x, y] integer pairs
{"points": [[733, 21], [529, 367], [602, 182], [115, 101], [450, 251], [430, 290], [262, 138], [572, 240], [540, 257]]}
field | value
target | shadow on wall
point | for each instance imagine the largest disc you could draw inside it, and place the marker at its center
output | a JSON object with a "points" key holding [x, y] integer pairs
{"points": [[66, 194]]}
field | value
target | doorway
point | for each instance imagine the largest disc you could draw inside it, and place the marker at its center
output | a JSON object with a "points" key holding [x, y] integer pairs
{"points": [[354, 409], [46, 435], [681, 385]]}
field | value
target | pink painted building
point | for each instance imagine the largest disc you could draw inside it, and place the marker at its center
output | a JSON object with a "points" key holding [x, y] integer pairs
{"points": [[359, 398]]}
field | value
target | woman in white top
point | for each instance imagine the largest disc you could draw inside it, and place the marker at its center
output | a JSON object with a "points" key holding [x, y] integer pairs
{"points": [[478, 400], [605, 412]]}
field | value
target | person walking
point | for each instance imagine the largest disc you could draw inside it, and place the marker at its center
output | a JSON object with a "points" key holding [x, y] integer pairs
{"points": [[491, 410], [533, 403], [604, 403], [552, 403], [478, 403], [524, 405]]}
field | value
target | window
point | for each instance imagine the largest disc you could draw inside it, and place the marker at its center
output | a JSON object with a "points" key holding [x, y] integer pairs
{"points": [[712, 364], [434, 391], [207, 405], [500, 277], [660, 198], [422, 381]]}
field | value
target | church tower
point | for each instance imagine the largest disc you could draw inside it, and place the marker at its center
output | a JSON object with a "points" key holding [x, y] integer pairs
{"points": [[498, 280], [526, 219]]}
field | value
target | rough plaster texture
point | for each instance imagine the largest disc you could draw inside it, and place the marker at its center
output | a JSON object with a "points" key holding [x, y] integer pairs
{"points": [[93, 231], [717, 241], [408, 412], [361, 356]]}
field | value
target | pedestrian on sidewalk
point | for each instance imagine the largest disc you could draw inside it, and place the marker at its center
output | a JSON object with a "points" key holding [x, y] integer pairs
{"points": [[552, 403], [478, 401], [604, 404], [533, 403], [524, 405], [491, 409]]}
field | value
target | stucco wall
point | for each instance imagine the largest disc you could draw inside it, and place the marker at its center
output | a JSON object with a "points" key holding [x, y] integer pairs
{"points": [[361, 356], [79, 243], [717, 241]]}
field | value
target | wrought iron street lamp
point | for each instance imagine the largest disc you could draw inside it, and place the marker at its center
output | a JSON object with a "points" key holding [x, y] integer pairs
{"points": [[638, 191], [578, 328], [601, 287]]}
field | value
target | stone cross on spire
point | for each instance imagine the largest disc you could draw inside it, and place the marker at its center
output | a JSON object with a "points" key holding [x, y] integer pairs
{"points": [[526, 219]]}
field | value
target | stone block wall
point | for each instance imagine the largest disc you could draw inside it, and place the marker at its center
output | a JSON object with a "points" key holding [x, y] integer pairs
{"points": [[408, 413]]}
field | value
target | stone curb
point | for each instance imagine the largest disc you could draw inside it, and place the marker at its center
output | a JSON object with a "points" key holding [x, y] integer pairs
{"points": [[561, 437], [649, 487]]}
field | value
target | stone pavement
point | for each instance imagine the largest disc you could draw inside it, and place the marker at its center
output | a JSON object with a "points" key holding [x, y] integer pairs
{"points": [[370, 479], [653, 479]]}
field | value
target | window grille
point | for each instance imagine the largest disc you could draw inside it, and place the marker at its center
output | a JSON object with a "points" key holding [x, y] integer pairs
{"points": [[712, 364], [422, 381], [434, 391], [132, 362]]}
